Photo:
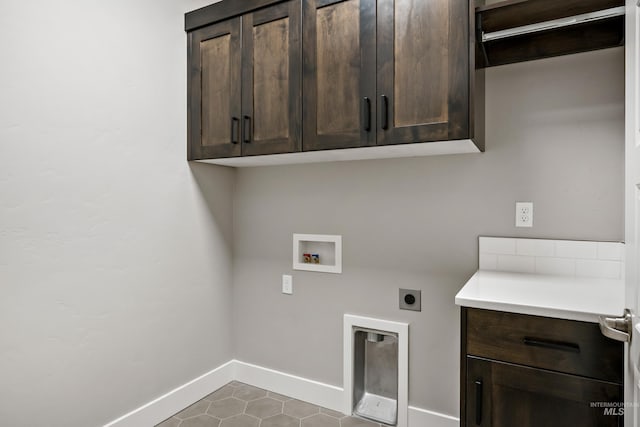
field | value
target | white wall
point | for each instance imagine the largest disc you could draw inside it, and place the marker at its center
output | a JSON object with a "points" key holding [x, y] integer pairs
{"points": [[115, 253], [555, 136]]}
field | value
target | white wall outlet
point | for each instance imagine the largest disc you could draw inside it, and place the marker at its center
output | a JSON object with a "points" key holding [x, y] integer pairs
{"points": [[524, 214], [287, 284]]}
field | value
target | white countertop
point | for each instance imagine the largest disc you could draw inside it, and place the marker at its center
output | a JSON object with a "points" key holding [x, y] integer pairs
{"points": [[561, 297]]}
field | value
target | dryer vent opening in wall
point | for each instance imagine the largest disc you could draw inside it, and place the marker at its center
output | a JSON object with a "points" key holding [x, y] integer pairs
{"points": [[375, 375], [376, 369]]}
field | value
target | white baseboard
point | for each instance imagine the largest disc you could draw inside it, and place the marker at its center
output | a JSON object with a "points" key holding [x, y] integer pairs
{"points": [[419, 417], [325, 395], [177, 399]]}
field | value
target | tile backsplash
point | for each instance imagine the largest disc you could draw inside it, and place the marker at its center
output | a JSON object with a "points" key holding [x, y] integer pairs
{"points": [[558, 257]]}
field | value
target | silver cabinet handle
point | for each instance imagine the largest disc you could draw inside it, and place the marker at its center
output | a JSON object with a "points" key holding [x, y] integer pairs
{"points": [[617, 328]]}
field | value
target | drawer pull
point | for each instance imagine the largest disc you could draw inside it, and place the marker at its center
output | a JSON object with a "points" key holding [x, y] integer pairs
{"points": [[384, 112], [478, 402], [554, 345], [247, 129], [367, 114], [235, 129]]}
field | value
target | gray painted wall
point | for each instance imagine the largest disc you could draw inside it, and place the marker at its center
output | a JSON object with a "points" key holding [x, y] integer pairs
{"points": [[115, 254], [555, 136]]}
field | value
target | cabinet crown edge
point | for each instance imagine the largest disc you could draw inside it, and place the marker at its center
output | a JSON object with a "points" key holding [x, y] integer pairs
{"points": [[222, 10]]}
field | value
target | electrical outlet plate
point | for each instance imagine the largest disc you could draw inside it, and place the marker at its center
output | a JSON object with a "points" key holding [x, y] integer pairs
{"points": [[287, 284], [524, 214], [417, 300]]}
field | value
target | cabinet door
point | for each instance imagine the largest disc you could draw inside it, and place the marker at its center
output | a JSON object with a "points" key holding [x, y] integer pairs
{"points": [[339, 73], [507, 395], [423, 70], [271, 80], [214, 91]]}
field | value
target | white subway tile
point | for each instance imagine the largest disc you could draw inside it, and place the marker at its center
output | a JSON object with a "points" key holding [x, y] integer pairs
{"points": [[516, 264], [610, 251], [599, 269], [556, 266], [488, 262], [535, 247], [555, 257], [574, 249], [497, 245]]}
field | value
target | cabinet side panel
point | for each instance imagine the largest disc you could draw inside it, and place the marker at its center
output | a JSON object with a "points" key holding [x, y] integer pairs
{"points": [[193, 99], [421, 82], [463, 366], [338, 68], [271, 80], [216, 90]]}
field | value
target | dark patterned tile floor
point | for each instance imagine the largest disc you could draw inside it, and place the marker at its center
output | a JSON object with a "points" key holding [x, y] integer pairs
{"points": [[241, 405]]}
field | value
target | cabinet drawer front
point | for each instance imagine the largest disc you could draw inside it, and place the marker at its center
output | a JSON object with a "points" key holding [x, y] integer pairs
{"points": [[560, 345]]}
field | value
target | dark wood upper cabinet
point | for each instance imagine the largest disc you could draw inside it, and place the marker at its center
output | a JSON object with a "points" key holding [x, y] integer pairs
{"points": [[286, 76], [271, 80], [424, 71], [339, 73], [214, 91], [417, 91], [245, 84]]}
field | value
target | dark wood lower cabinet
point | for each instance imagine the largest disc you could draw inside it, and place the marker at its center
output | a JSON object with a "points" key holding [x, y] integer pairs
{"points": [[507, 395], [529, 371]]}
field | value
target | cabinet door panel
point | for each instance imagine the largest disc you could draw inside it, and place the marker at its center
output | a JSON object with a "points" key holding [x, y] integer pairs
{"points": [[418, 44], [339, 70], [216, 90], [214, 106], [506, 395], [423, 70], [272, 80], [338, 28]]}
